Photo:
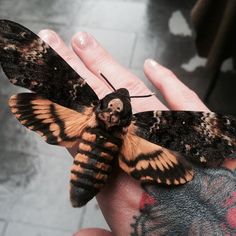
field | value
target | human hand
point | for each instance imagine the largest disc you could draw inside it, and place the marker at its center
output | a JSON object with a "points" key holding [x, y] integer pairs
{"points": [[206, 204]]}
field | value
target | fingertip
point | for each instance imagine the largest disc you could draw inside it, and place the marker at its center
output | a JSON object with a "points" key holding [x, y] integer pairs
{"points": [[93, 232], [93, 55], [149, 69], [50, 37], [149, 66], [155, 72], [177, 95], [150, 63], [83, 41]]}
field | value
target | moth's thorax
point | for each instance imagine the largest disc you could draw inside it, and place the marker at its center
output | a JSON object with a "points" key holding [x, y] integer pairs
{"points": [[114, 110]]}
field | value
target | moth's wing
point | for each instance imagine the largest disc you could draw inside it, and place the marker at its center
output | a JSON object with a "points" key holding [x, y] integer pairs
{"points": [[31, 63], [56, 124], [151, 163], [202, 137]]}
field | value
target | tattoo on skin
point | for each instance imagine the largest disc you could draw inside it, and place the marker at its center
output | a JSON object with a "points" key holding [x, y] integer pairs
{"points": [[204, 206]]}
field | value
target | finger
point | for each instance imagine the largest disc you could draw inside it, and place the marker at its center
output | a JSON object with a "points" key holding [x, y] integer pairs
{"points": [[93, 232], [71, 58], [177, 95], [97, 60]]}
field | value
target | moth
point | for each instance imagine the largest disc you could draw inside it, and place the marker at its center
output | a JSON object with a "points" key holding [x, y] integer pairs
{"points": [[155, 147]]}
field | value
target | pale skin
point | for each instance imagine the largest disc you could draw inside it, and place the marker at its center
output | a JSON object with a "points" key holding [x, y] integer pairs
{"points": [[120, 199]]}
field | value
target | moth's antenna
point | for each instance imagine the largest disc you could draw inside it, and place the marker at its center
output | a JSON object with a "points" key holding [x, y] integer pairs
{"points": [[136, 96], [142, 96], [107, 81]]}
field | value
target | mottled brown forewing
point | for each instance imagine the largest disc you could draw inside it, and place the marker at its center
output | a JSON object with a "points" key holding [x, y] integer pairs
{"points": [[31, 63], [205, 138]]}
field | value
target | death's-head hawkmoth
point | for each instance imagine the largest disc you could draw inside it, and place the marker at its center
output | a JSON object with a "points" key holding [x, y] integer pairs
{"points": [[153, 147]]}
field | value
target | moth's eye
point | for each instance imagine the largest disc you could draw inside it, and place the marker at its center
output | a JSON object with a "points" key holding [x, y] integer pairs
{"points": [[110, 105], [118, 108]]}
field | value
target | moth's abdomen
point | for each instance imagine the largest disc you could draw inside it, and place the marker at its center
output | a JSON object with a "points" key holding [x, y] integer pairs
{"points": [[88, 176], [92, 165]]}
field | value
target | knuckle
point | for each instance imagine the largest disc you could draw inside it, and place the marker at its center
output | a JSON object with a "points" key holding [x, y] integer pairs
{"points": [[99, 62]]}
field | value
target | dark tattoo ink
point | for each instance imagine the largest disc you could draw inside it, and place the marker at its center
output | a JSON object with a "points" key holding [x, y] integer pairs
{"points": [[204, 206]]}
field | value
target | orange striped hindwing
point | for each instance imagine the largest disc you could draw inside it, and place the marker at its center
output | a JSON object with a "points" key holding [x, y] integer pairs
{"points": [[56, 124], [151, 163]]}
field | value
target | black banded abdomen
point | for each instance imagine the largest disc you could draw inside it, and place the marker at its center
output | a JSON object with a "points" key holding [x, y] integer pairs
{"points": [[92, 165]]}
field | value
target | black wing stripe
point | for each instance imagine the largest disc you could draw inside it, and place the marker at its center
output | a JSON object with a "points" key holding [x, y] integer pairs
{"points": [[150, 167]]}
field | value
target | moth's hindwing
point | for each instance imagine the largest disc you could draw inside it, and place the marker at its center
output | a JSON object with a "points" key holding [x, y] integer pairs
{"points": [[92, 165], [55, 123], [151, 163], [31, 63], [205, 138]]}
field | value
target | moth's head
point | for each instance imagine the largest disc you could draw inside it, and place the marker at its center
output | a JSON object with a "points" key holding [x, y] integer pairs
{"points": [[115, 109]]}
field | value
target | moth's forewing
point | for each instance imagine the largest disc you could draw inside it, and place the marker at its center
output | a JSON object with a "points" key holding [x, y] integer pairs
{"points": [[31, 63], [205, 138]]}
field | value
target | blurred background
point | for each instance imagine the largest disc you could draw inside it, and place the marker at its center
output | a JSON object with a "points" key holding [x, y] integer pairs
{"points": [[192, 40]]}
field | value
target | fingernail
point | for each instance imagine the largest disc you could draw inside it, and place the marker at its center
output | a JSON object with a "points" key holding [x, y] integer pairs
{"points": [[84, 41], [151, 63], [49, 37]]}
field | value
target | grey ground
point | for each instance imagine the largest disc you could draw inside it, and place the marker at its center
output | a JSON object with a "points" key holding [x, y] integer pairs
{"points": [[34, 176]]}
